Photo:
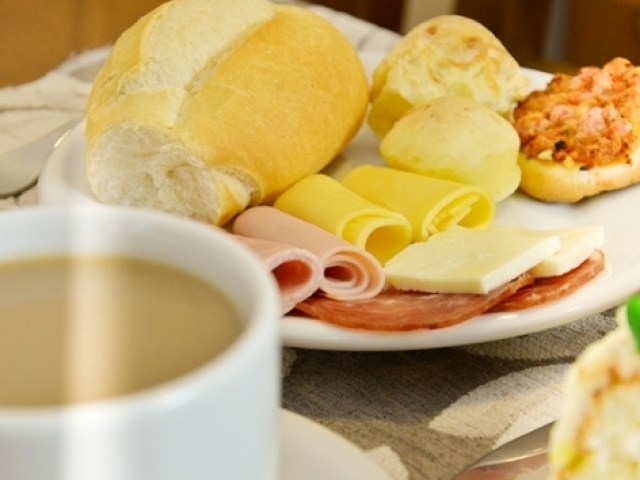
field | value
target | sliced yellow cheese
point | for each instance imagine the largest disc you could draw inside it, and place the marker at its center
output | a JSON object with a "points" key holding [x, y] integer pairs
{"points": [[461, 260], [431, 205], [578, 243], [323, 201]]}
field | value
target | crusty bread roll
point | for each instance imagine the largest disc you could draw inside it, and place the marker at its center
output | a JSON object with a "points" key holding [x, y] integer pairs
{"points": [[458, 139], [448, 54], [580, 136], [205, 107]]}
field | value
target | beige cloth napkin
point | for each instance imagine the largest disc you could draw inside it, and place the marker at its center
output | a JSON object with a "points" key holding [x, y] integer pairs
{"points": [[383, 455]]}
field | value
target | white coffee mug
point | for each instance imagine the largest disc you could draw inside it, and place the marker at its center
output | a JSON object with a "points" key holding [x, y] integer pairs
{"points": [[217, 421]]}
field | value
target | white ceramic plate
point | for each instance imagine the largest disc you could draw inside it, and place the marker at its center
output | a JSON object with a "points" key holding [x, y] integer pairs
{"points": [[310, 451], [63, 182]]}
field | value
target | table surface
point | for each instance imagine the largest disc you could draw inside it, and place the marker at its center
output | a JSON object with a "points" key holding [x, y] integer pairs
{"points": [[438, 410]]}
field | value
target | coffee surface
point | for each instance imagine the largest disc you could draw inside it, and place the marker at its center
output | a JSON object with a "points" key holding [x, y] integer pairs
{"points": [[79, 328]]}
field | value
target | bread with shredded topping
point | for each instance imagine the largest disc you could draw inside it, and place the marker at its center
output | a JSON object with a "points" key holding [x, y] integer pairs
{"points": [[580, 136]]}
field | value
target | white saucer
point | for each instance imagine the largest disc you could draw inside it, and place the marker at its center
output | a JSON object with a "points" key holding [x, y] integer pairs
{"points": [[310, 451]]}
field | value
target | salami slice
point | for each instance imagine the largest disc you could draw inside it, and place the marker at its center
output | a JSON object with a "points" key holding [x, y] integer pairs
{"points": [[543, 290], [404, 311]]}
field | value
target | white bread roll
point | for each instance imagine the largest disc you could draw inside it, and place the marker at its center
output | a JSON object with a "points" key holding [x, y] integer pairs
{"points": [[205, 107], [448, 54]]}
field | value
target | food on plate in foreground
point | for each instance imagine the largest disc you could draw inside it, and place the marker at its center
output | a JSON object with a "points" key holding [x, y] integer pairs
{"points": [[325, 202], [458, 139], [205, 107], [580, 136], [459, 274], [430, 204], [345, 271], [448, 54], [597, 433]]}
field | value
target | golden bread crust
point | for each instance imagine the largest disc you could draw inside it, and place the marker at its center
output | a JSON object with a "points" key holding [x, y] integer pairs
{"points": [[555, 182], [206, 132]]}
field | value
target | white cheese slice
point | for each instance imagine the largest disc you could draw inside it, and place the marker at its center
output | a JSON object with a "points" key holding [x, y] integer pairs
{"points": [[461, 260], [578, 243]]}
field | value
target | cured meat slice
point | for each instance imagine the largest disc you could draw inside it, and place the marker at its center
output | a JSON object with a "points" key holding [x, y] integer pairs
{"points": [[297, 271], [395, 310], [347, 271], [547, 289]]}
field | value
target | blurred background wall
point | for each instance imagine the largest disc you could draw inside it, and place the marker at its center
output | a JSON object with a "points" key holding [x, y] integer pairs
{"points": [[37, 35]]}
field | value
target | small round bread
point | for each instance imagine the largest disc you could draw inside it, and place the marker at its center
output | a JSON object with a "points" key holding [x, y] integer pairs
{"points": [[458, 139], [206, 107], [448, 54], [580, 136]]}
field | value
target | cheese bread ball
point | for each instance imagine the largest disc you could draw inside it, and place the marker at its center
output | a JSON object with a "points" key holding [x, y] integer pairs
{"points": [[448, 54], [457, 139]]}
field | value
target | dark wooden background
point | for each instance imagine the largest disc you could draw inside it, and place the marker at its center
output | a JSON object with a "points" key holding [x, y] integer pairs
{"points": [[38, 35]]}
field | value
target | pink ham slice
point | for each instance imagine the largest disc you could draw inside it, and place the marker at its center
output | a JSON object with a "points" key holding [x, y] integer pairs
{"points": [[398, 311], [349, 272], [296, 270]]}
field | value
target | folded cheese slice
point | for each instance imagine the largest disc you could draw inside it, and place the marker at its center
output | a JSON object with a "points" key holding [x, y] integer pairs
{"points": [[460, 260], [347, 272], [297, 271], [431, 205], [325, 202]]}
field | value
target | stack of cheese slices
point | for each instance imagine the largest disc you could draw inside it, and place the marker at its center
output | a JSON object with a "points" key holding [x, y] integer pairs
{"points": [[460, 260]]}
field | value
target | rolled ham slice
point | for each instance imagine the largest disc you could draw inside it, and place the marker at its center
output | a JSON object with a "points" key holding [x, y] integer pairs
{"points": [[348, 272], [297, 271]]}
